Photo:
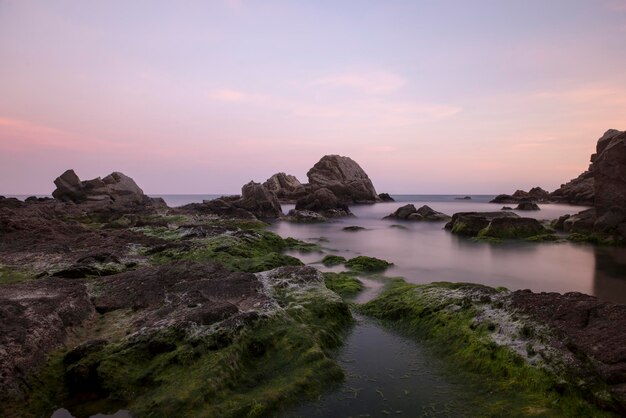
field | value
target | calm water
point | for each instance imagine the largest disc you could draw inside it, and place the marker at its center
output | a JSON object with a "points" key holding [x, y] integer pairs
{"points": [[424, 252]]}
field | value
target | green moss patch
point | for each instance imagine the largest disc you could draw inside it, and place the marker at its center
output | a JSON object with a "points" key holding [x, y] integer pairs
{"points": [[344, 284], [10, 275], [333, 260], [460, 322], [367, 264]]}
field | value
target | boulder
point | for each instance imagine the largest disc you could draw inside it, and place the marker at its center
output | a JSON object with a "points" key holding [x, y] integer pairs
{"points": [[384, 197], [536, 194], [510, 228], [424, 213], [527, 205], [559, 224], [471, 223], [581, 222], [286, 187], [259, 201], [116, 187], [344, 178], [324, 202]]}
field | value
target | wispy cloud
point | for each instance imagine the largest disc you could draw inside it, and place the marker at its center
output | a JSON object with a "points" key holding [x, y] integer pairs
{"points": [[378, 82]]}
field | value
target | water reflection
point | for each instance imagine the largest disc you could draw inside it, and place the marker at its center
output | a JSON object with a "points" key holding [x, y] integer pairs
{"points": [[424, 252]]}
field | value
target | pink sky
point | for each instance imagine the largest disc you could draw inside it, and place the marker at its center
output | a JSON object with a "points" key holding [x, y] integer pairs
{"points": [[201, 98]]}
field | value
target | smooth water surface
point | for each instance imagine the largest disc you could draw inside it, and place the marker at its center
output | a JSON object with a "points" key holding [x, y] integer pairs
{"points": [[423, 252]]}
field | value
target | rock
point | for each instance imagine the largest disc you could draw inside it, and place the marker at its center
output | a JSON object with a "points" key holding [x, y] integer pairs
{"points": [[506, 208], [463, 198], [384, 197], [35, 319], [511, 228], [353, 228], [222, 206], [503, 198], [579, 191], [325, 202], [344, 178], [259, 201], [303, 216], [116, 187], [581, 222], [424, 213], [10, 202], [609, 170], [471, 223], [527, 205], [286, 187], [559, 224], [536, 194]]}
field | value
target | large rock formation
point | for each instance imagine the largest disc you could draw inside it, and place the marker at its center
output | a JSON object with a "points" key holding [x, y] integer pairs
{"points": [[324, 202], [609, 170], [579, 191], [472, 223], [536, 194], [344, 178], [286, 187], [112, 188], [258, 200]]}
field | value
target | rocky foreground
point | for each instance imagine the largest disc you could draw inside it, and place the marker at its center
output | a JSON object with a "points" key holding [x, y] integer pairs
{"points": [[110, 299]]}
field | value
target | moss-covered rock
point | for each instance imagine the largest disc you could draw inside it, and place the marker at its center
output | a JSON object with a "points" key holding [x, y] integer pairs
{"points": [[513, 228], [333, 260], [367, 264], [344, 284]]}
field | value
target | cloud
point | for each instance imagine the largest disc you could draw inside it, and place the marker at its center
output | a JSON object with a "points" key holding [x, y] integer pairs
{"points": [[368, 83], [228, 95], [617, 5]]}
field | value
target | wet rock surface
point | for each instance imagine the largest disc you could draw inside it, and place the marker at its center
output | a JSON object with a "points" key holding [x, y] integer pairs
{"points": [[471, 223], [424, 213]]}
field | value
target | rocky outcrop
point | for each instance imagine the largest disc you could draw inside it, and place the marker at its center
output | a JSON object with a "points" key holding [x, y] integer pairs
{"points": [[324, 202], [513, 228], [472, 223], [260, 201], [255, 202], [579, 191], [609, 170], [112, 188], [344, 178], [424, 213], [286, 187], [536, 194]]}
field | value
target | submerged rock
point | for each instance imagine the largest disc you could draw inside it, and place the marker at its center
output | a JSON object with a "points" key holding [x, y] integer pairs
{"points": [[471, 223], [424, 213]]}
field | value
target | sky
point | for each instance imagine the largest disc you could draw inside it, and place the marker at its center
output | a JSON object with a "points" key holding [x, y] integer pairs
{"points": [[482, 96]]}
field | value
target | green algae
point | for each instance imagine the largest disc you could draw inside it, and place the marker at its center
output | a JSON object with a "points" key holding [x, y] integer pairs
{"points": [[344, 284], [252, 369], [333, 260], [595, 239], [450, 329], [367, 264], [10, 275]]}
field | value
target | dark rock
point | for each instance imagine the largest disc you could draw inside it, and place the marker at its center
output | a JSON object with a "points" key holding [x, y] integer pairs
{"points": [[402, 212], [506, 208], [385, 197], [304, 216], [10, 202], [471, 223], [589, 333], [428, 214], [511, 228], [424, 213], [559, 224], [286, 187], [259, 201], [343, 177], [463, 198], [536, 194], [116, 187], [579, 191], [35, 319], [581, 222], [325, 202], [527, 205], [353, 228]]}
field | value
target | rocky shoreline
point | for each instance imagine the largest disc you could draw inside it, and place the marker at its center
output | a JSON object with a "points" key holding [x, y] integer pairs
{"points": [[108, 296]]}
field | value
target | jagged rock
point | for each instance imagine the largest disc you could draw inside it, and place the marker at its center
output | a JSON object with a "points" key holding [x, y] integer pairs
{"points": [[116, 187], [325, 202], [259, 201], [581, 222], [344, 178], [527, 205], [609, 170], [286, 187], [424, 213], [384, 197], [304, 216], [579, 191], [471, 223]]}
